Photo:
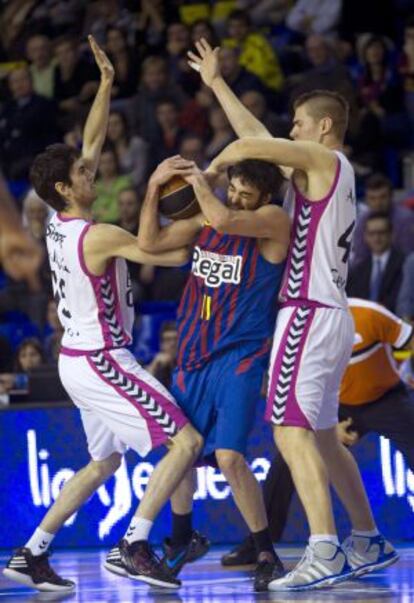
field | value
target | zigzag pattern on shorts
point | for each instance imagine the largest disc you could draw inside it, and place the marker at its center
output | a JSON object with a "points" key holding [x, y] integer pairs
{"points": [[133, 390], [297, 263], [287, 368], [108, 299]]}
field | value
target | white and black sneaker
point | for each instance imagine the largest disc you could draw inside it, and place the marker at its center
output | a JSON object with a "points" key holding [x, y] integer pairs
{"points": [[113, 562], [35, 571]]}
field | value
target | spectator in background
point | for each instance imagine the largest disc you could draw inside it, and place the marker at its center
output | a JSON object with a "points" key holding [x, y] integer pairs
{"points": [[266, 12], [76, 80], [406, 69], [129, 208], [203, 29], [29, 355], [154, 86], [163, 363], [167, 139], [42, 66], [405, 301], [381, 94], [150, 24], [124, 61], [109, 183], [131, 151], [53, 333], [192, 147], [177, 45], [255, 52], [27, 125], [237, 77], [378, 198], [378, 277], [221, 132], [314, 16], [256, 103]]}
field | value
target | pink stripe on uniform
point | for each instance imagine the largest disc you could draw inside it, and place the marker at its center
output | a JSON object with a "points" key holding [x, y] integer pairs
{"points": [[168, 406], [96, 286]]}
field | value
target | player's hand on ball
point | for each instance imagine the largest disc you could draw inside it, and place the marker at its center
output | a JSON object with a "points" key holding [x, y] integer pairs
{"points": [[172, 166], [104, 64], [206, 61]]}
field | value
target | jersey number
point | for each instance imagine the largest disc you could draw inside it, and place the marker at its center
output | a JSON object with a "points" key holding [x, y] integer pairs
{"points": [[59, 293], [345, 240]]}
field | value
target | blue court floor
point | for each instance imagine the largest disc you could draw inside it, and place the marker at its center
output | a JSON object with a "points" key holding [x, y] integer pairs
{"points": [[207, 582]]}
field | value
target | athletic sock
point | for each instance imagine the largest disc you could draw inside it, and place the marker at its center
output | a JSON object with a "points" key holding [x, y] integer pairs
{"points": [[315, 538], [366, 533], [39, 542], [138, 529], [263, 542], [182, 529]]}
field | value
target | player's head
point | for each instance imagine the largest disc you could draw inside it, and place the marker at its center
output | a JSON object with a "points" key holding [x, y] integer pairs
{"points": [[253, 183], [320, 116], [61, 177]]}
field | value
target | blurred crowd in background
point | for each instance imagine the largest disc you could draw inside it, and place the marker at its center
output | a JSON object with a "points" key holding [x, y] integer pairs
{"points": [[271, 51]]}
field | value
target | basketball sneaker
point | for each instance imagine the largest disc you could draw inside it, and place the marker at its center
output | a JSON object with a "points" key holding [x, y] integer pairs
{"points": [[267, 571], [323, 564], [242, 554], [142, 564], [176, 557], [113, 562], [35, 571], [368, 553]]}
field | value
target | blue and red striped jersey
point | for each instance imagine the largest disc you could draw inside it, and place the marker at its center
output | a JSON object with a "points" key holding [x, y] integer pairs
{"points": [[230, 298]]}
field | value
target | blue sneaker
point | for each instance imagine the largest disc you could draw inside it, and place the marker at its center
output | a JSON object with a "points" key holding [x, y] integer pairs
{"points": [[368, 553], [323, 564], [176, 557]]}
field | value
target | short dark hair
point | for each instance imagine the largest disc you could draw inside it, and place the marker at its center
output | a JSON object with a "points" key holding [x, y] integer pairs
{"points": [[168, 325], [377, 181], [326, 103], [379, 215], [265, 176], [51, 166], [240, 15]]}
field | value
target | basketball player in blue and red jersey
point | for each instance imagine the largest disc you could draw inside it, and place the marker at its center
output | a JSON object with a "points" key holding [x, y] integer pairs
{"points": [[314, 332], [121, 404], [225, 319]]}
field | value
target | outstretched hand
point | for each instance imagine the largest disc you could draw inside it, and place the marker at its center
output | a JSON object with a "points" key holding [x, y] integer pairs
{"points": [[206, 61], [172, 166], [104, 64]]}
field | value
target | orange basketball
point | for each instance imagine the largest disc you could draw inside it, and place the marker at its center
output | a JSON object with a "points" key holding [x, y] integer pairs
{"points": [[177, 199]]}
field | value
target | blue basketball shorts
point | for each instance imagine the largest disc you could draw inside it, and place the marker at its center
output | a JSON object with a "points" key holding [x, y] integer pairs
{"points": [[220, 399]]}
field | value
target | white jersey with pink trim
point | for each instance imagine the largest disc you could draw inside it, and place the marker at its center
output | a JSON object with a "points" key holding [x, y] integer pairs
{"points": [[96, 312], [317, 264]]}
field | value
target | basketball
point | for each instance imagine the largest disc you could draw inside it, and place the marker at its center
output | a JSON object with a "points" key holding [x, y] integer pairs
{"points": [[177, 199]]}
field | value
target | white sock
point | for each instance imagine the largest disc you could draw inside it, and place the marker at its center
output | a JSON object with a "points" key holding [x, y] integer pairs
{"points": [[315, 538], [138, 529], [39, 542], [367, 533]]}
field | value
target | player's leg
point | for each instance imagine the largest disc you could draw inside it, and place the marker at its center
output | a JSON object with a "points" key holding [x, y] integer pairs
{"points": [[308, 343], [29, 565]]}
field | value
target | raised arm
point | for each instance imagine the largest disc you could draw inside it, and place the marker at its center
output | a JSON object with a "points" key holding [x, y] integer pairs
{"points": [[206, 62], [151, 236], [266, 222], [96, 125]]}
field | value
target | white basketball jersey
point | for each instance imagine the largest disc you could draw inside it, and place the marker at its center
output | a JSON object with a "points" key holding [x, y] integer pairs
{"points": [[317, 263], [96, 312]]}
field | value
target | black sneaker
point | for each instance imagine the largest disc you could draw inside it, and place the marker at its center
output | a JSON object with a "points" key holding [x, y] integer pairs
{"points": [[113, 562], [35, 571], [175, 557], [266, 571], [141, 563], [242, 554]]}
